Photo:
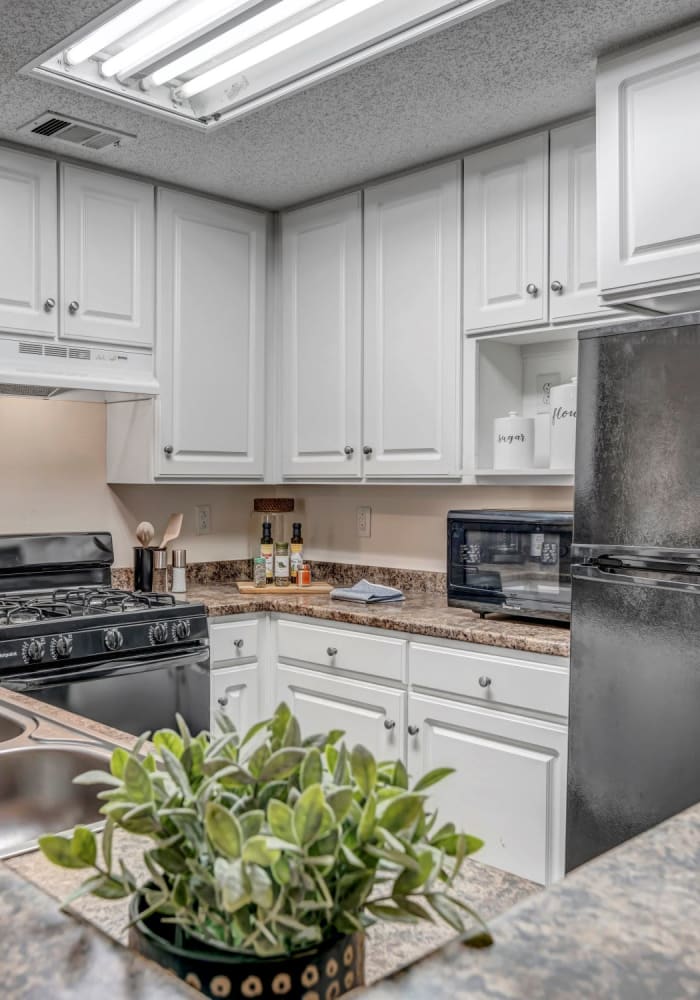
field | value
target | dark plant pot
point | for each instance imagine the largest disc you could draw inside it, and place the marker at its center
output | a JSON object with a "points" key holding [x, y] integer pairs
{"points": [[324, 973]]}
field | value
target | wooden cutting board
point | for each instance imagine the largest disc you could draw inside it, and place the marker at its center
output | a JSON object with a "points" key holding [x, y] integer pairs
{"points": [[248, 587]]}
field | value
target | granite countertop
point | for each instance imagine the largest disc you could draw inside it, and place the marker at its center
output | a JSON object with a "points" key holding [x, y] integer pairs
{"points": [[625, 926], [420, 613]]}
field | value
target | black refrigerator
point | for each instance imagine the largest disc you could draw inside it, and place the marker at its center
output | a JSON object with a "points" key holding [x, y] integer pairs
{"points": [[634, 737]]}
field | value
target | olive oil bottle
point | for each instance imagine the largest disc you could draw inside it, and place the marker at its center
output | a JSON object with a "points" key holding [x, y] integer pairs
{"points": [[297, 552]]}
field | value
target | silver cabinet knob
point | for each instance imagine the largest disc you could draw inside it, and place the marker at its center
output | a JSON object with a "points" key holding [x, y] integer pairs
{"points": [[238, 643], [413, 730], [532, 289], [73, 307], [223, 700], [484, 682], [332, 651], [366, 450], [49, 305], [389, 724], [557, 287], [168, 450], [349, 450]]}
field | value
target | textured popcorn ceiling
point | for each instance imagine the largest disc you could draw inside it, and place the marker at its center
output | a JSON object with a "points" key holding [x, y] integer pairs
{"points": [[519, 66]]}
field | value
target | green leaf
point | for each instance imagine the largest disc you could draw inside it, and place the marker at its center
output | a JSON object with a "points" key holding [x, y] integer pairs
{"points": [[278, 723], [108, 887], [390, 911], [400, 775], [97, 778], [118, 761], [401, 812], [340, 775], [364, 769], [432, 778], [259, 759], [170, 860], [281, 871], [365, 827], [353, 889], [59, 851], [253, 732], [223, 830], [251, 823], [84, 846], [292, 734], [309, 814], [340, 802], [281, 820], [137, 781], [400, 858], [450, 843], [414, 907], [107, 837], [256, 851], [311, 769], [408, 881], [446, 909], [176, 771], [260, 887], [170, 739], [281, 764]]}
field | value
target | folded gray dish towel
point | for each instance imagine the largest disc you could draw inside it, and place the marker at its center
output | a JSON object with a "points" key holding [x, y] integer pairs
{"points": [[365, 592]]}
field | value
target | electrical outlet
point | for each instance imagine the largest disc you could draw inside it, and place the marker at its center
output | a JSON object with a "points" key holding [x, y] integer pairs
{"points": [[202, 519], [364, 522]]}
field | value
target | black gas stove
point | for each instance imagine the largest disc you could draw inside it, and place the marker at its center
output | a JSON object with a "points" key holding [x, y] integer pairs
{"points": [[67, 636]]}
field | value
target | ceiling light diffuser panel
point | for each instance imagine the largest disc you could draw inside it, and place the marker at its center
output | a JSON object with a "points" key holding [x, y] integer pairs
{"points": [[204, 62]]}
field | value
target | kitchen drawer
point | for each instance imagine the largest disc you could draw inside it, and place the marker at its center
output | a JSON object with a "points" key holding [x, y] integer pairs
{"points": [[340, 650], [527, 684], [231, 641]]}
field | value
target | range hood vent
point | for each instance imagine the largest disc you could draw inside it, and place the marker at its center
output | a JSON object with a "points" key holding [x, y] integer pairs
{"points": [[33, 391], [79, 133]]}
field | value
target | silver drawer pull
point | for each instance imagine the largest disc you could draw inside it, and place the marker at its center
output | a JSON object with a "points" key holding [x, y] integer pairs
{"points": [[413, 730], [332, 651], [484, 682], [223, 700], [238, 643], [389, 724]]}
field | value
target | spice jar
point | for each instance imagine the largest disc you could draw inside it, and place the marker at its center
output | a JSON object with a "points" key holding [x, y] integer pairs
{"points": [[304, 575], [160, 571], [259, 571], [281, 564], [179, 584]]}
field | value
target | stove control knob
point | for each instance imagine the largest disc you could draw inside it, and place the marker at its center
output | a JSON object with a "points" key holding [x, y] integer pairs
{"points": [[114, 640], [34, 650], [158, 633], [182, 629], [62, 647]]}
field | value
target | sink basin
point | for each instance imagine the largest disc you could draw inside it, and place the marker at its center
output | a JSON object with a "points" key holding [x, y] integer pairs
{"points": [[10, 728], [37, 794]]}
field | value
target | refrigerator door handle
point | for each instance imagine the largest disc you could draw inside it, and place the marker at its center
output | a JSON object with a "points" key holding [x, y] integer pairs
{"points": [[666, 581]]}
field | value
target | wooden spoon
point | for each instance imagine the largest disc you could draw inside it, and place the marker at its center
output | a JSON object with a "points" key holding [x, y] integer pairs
{"points": [[172, 530], [145, 532]]}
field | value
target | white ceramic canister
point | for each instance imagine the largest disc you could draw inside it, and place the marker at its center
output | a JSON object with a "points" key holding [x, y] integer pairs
{"points": [[563, 425], [513, 442], [543, 419]]}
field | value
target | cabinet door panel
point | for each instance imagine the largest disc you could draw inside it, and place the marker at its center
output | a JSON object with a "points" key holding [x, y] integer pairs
{"points": [[412, 336], [322, 339], [108, 258], [505, 235], [510, 782], [322, 703], [211, 338], [573, 245], [236, 692], [649, 163], [29, 247]]}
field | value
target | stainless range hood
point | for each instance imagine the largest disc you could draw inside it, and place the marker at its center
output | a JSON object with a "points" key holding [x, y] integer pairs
{"points": [[57, 371]]}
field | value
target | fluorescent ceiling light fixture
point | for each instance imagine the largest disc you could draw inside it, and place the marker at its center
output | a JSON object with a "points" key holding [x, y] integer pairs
{"points": [[114, 29], [329, 18], [243, 32], [205, 62], [191, 22]]}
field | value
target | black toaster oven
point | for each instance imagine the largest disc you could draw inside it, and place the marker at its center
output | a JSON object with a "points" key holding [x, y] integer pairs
{"points": [[512, 562]]}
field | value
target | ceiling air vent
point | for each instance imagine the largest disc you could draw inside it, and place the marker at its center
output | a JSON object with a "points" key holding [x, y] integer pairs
{"points": [[54, 126]]}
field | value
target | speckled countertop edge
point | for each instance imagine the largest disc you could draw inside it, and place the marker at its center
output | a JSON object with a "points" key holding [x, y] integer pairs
{"points": [[419, 614]]}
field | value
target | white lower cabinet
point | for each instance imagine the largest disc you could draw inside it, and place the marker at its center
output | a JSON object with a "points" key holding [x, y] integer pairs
{"points": [[370, 714], [509, 786], [236, 691]]}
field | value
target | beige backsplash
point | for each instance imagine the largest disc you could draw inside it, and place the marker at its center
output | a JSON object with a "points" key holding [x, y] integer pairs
{"points": [[52, 464]]}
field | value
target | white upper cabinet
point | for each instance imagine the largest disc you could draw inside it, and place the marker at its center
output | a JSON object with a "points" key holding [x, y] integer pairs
{"points": [[29, 244], [321, 419], [412, 359], [573, 252], [648, 112], [211, 338], [107, 236], [505, 235]]}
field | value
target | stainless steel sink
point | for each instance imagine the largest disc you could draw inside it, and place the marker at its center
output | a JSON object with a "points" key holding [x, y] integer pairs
{"points": [[10, 728], [37, 794]]}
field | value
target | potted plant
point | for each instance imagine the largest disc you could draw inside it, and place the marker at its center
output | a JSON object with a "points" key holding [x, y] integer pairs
{"points": [[269, 856]]}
